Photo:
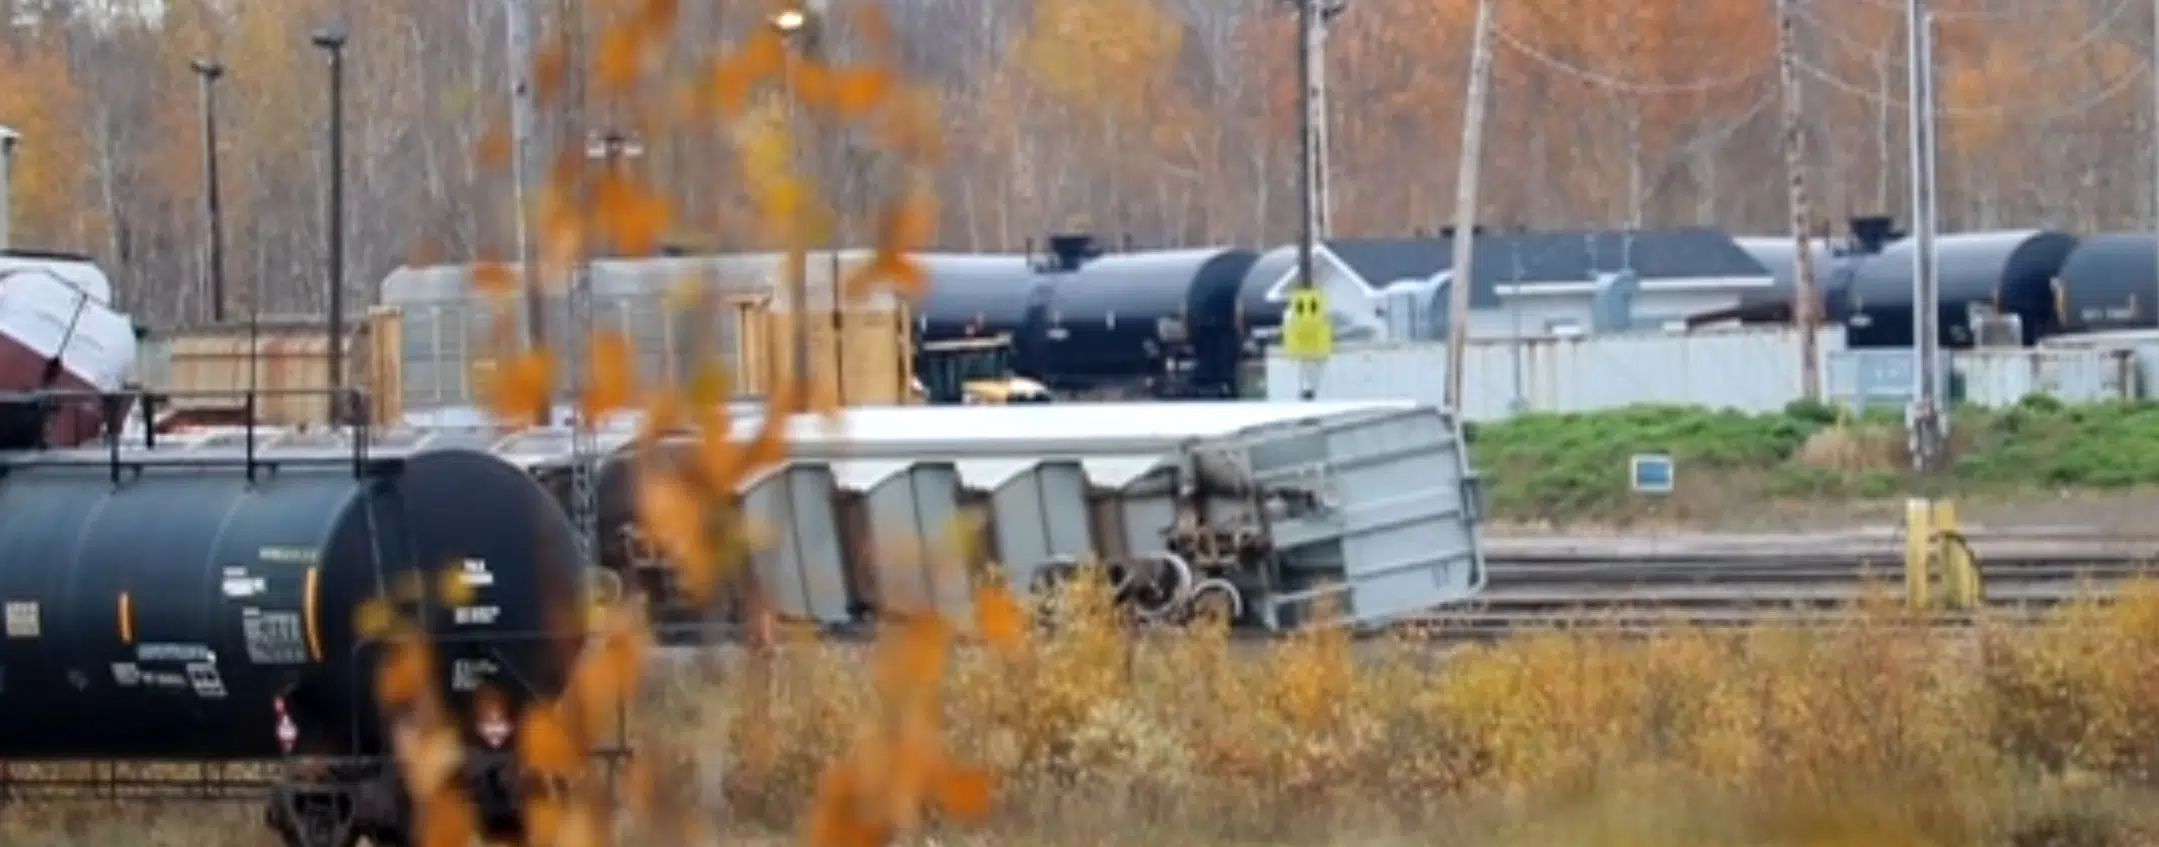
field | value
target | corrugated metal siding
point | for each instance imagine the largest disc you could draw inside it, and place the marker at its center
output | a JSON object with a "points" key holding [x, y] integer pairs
{"points": [[2003, 377], [1753, 370], [153, 363], [446, 325]]}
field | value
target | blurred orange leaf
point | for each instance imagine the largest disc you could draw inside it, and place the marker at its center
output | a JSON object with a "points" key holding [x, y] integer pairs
{"points": [[523, 386], [544, 742], [494, 279], [672, 513], [550, 72], [447, 819], [963, 793], [494, 149], [620, 54], [659, 15], [404, 673], [999, 618], [733, 77], [612, 383]]}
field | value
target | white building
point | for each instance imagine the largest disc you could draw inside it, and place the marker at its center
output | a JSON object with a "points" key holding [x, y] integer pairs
{"points": [[1530, 283]]}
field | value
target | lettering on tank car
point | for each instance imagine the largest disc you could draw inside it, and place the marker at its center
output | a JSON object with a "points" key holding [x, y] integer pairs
{"points": [[242, 587], [164, 679], [166, 652], [477, 615], [467, 674], [290, 555], [22, 619], [203, 677], [274, 638], [126, 674], [475, 573]]}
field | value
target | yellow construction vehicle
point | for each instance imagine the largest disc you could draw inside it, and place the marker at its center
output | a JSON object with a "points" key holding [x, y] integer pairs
{"points": [[974, 371]]}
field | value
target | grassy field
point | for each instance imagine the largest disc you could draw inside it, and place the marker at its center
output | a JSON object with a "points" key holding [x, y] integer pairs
{"points": [[1809, 465], [1868, 734]]}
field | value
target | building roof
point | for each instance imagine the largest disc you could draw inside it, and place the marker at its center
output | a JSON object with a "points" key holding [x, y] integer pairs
{"points": [[1548, 258]]}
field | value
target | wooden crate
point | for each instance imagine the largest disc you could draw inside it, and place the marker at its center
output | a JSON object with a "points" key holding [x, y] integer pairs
{"points": [[289, 353], [859, 356]]}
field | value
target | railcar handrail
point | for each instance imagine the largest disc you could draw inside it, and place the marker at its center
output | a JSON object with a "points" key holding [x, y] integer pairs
{"points": [[352, 402]]}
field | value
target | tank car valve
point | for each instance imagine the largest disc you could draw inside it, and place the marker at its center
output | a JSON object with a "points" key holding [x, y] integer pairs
{"points": [[288, 733], [494, 725]]}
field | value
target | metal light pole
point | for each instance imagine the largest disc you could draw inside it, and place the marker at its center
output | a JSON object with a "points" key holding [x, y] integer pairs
{"points": [[608, 149], [1926, 414], [332, 42], [210, 72], [799, 26]]}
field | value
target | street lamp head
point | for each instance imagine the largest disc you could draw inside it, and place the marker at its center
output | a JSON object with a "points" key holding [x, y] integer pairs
{"points": [[329, 39], [8, 138], [208, 68], [790, 21]]}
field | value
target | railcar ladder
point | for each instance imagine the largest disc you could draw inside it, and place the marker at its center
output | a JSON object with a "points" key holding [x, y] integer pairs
{"points": [[584, 446]]}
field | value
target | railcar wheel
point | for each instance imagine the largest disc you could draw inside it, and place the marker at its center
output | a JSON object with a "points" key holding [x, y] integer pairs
{"points": [[1215, 598], [313, 816]]}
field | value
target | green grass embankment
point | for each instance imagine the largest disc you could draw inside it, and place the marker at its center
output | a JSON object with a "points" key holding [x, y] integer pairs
{"points": [[1561, 469]]}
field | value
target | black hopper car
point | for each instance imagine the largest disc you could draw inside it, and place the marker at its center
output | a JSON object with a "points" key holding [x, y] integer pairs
{"points": [[198, 605], [1148, 324]]}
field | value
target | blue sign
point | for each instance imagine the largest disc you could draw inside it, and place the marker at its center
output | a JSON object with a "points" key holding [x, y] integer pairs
{"points": [[1650, 473]]}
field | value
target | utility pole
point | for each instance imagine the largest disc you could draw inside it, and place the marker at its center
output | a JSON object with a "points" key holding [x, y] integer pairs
{"points": [[8, 139], [1806, 303], [2154, 57], [1926, 415], [332, 42], [210, 72], [1307, 163], [523, 164], [1322, 138], [1462, 270]]}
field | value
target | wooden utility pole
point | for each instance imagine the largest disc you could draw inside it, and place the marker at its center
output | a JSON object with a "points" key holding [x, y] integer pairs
{"points": [[1806, 303], [1462, 271], [1322, 137], [1307, 164], [524, 161]]}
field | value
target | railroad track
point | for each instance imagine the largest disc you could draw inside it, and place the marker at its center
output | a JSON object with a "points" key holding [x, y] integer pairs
{"points": [[1644, 584]]}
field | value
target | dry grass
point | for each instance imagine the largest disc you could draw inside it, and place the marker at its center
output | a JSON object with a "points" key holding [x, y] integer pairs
{"points": [[1864, 734]]}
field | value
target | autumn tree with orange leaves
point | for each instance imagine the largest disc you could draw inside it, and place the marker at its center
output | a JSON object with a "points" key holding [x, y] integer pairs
{"points": [[1171, 120]]}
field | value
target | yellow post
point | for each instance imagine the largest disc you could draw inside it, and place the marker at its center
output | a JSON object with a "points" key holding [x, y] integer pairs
{"points": [[1918, 552], [1960, 571]]}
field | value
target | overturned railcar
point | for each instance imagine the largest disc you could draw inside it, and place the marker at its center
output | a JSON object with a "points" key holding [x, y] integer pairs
{"points": [[1279, 515]]}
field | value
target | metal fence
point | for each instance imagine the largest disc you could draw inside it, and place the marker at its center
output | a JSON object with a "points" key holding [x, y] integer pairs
{"points": [[1750, 370], [1753, 370]]}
